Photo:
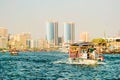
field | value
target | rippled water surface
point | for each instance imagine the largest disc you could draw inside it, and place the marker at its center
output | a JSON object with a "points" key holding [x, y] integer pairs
{"points": [[52, 66]]}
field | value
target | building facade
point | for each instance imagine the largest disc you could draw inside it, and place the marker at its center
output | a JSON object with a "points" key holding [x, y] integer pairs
{"points": [[52, 33], [84, 36], [19, 41], [3, 32], [3, 37], [69, 32], [3, 42]]}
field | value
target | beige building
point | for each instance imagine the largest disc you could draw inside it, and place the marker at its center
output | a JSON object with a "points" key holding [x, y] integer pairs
{"points": [[19, 40], [3, 32], [3, 42], [43, 44], [84, 36], [3, 37], [23, 38]]}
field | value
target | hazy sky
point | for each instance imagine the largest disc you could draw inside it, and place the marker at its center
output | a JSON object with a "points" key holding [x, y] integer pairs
{"points": [[93, 16]]}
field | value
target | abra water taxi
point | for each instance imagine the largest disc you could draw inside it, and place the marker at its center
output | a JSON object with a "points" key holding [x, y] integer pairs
{"points": [[84, 53]]}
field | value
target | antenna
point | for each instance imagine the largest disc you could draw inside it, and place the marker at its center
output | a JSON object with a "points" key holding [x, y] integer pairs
{"points": [[104, 34]]}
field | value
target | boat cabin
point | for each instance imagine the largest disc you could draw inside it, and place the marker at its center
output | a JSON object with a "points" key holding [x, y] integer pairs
{"points": [[84, 50]]}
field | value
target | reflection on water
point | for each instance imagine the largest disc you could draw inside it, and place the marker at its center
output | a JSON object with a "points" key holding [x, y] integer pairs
{"points": [[52, 66]]}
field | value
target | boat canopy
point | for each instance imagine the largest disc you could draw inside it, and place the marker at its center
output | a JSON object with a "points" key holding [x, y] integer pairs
{"points": [[82, 44]]}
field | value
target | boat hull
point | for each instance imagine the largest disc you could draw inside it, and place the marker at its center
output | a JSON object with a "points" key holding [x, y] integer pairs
{"points": [[82, 61]]}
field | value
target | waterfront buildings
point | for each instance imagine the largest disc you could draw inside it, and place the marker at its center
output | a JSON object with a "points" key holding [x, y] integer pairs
{"points": [[43, 43], [52, 33], [24, 37], [3, 37], [113, 42], [3, 42], [60, 40], [33, 43], [3, 32], [69, 33], [37, 44], [19, 40], [84, 36]]}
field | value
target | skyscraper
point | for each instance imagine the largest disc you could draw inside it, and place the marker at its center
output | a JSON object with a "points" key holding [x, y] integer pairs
{"points": [[52, 33], [69, 32]]}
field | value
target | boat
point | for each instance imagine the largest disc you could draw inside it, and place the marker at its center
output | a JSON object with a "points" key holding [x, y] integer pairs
{"points": [[13, 51], [84, 53], [3, 51]]}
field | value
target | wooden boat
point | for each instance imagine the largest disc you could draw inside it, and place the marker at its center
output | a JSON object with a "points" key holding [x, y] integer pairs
{"points": [[84, 53], [13, 51]]}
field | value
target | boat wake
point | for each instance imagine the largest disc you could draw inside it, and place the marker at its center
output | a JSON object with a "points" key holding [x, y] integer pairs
{"points": [[61, 62], [101, 63], [67, 62]]}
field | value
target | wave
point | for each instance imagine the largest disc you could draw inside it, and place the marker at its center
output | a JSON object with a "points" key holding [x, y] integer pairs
{"points": [[60, 62]]}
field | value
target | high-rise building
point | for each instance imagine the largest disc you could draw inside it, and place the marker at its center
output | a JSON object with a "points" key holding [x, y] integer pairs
{"points": [[3, 32], [84, 36], [52, 33], [69, 32]]}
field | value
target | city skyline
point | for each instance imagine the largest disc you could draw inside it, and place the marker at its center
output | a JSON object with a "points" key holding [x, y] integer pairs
{"points": [[95, 17]]}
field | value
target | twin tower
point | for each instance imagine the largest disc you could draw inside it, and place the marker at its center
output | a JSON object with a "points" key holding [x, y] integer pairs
{"points": [[52, 32]]}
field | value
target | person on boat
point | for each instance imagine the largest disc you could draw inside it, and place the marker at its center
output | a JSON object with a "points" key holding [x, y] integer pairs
{"points": [[101, 58], [91, 49], [84, 54], [99, 49], [73, 53], [91, 52], [76, 53], [98, 53], [88, 54]]}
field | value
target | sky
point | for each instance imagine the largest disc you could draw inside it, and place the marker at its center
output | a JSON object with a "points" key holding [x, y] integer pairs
{"points": [[93, 16]]}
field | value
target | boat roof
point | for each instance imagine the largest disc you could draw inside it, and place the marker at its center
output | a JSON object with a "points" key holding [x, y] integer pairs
{"points": [[83, 44]]}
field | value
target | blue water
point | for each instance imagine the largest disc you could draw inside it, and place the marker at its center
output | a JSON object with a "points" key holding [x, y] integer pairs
{"points": [[52, 66]]}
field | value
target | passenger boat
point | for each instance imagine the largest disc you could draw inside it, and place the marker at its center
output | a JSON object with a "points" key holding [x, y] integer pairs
{"points": [[84, 53]]}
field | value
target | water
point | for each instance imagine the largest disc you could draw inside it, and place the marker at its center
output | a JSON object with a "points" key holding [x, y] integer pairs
{"points": [[52, 66]]}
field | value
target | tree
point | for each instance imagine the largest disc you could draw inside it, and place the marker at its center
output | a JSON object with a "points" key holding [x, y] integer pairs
{"points": [[99, 41]]}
